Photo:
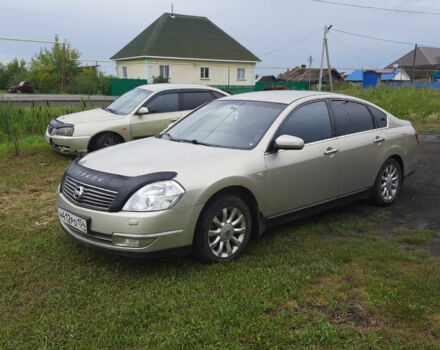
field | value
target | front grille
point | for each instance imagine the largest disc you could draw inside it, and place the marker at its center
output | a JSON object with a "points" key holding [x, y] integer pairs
{"points": [[92, 196], [50, 129]]}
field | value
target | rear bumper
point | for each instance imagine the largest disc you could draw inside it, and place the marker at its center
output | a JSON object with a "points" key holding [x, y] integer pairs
{"points": [[68, 144]]}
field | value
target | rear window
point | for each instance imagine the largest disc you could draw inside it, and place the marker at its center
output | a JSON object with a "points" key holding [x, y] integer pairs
{"points": [[351, 117], [379, 116]]}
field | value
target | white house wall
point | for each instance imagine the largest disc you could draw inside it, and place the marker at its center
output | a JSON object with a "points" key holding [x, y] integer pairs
{"points": [[188, 71]]}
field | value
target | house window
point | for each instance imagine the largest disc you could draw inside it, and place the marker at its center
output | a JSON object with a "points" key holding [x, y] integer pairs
{"points": [[124, 71], [204, 72], [241, 74], [164, 70]]}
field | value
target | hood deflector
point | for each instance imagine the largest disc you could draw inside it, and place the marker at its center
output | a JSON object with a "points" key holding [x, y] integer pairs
{"points": [[125, 186]]}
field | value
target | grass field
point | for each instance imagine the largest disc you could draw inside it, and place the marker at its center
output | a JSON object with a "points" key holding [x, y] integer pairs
{"points": [[332, 281]]}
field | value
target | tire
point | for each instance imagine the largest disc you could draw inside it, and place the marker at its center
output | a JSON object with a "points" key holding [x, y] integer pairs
{"points": [[223, 231], [103, 140], [388, 183]]}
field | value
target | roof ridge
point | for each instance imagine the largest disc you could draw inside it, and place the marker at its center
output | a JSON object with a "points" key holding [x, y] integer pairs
{"points": [[182, 15], [156, 31]]}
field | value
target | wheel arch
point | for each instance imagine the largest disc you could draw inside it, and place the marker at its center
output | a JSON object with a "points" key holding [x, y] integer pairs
{"points": [[94, 137], [258, 221]]}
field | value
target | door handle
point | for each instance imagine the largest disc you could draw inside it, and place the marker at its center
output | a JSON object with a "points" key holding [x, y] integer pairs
{"points": [[329, 151], [379, 139]]}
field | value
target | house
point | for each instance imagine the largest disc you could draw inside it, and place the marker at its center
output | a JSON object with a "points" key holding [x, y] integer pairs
{"points": [[266, 78], [304, 74], [186, 49], [426, 64], [357, 76]]}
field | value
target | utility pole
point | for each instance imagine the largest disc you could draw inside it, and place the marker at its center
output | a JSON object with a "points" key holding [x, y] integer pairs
{"points": [[63, 69], [310, 66], [325, 51], [414, 63]]}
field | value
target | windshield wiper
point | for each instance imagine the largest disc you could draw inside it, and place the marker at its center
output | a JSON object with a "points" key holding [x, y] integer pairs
{"points": [[170, 137]]}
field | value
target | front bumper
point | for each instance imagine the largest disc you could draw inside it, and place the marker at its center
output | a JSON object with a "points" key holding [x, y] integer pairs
{"points": [[68, 144], [163, 230]]}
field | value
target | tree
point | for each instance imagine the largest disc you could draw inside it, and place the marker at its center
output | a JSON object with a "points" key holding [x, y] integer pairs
{"points": [[14, 72], [46, 66]]}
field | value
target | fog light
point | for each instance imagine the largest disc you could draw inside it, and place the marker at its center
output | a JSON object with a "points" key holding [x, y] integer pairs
{"points": [[121, 241]]}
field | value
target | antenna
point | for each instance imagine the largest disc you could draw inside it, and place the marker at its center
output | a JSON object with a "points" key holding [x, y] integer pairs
{"points": [[172, 11]]}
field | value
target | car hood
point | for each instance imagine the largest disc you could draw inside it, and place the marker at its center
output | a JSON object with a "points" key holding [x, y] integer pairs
{"points": [[155, 155], [90, 116]]}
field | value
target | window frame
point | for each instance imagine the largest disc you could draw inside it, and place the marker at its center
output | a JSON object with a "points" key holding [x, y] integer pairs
{"points": [[329, 104], [124, 72], [244, 74], [205, 69], [166, 69]]}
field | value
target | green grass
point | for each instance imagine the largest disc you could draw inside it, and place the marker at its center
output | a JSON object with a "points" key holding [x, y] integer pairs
{"points": [[331, 281], [419, 105]]}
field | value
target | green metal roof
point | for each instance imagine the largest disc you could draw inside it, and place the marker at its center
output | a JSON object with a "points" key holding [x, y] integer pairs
{"points": [[185, 37]]}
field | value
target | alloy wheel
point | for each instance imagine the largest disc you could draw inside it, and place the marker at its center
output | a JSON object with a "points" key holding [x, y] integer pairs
{"points": [[227, 232], [390, 181]]}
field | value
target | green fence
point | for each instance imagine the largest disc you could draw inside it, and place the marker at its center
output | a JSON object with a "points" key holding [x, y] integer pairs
{"points": [[262, 85], [121, 86]]}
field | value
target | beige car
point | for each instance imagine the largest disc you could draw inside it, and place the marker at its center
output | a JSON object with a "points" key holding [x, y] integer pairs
{"points": [[141, 112], [218, 176]]}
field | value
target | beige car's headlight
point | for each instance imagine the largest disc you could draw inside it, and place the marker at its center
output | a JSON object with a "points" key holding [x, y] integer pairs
{"points": [[67, 131], [156, 196]]}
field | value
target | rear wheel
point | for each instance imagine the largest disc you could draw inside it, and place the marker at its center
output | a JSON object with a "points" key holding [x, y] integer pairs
{"points": [[388, 183], [106, 139], [224, 230]]}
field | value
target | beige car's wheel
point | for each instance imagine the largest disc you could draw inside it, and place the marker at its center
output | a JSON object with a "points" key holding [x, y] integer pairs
{"points": [[106, 139], [224, 230], [388, 183]]}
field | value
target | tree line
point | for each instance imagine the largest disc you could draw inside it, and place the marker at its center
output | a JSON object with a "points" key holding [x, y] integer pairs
{"points": [[44, 71]]}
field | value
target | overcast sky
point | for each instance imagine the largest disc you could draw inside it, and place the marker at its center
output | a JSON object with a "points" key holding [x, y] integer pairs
{"points": [[98, 30]]}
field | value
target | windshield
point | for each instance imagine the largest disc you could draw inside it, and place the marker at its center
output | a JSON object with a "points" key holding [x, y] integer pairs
{"points": [[231, 124], [21, 83], [128, 101]]}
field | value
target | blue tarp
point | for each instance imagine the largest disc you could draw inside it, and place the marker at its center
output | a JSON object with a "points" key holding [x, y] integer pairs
{"points": [[357, 75]]}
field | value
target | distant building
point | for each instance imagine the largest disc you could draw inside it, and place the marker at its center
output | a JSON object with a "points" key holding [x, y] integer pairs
{"points": [[266, 78], [384, 75], [186, 49], [305, 74], [427, 63]]}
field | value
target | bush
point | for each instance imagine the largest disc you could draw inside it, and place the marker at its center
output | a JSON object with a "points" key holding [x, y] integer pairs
{"points": [[90, 83]]}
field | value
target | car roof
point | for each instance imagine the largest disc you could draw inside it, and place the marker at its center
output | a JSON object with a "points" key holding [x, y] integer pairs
{"points": [[169, 86], [280, 96]]}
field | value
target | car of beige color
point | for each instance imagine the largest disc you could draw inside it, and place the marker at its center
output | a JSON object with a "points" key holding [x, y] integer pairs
{"points": [[219, 176], [141, 112]]}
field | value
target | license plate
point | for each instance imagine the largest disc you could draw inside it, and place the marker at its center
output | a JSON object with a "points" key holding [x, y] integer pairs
{"points": [[73, 220]]}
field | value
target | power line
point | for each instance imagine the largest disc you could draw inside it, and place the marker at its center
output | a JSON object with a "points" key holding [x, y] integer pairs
{"points": [[372, 37], [377, 8], [292, 44], [349, 50]]}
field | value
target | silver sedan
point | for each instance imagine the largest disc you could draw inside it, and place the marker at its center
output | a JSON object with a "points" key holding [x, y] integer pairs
{"points": [[216, 178]]}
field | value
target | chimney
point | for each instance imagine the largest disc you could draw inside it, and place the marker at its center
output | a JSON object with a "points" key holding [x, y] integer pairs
{"points": [[303, 67]]}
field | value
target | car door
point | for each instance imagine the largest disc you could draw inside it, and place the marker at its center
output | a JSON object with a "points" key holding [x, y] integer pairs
{"points": [[300, 178], [361, 145], [191, 99], [163, 109]]}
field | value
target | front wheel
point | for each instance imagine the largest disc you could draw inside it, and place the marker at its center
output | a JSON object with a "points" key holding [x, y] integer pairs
{"points": [[224, 230], [106, 139], [388, 183]]}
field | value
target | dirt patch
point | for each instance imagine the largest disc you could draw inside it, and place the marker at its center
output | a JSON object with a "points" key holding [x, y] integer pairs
{"points": [[418, 207]]}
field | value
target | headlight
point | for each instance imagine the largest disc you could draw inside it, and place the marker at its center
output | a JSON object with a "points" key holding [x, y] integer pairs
{"points": [[64, 131], [156, 196]]}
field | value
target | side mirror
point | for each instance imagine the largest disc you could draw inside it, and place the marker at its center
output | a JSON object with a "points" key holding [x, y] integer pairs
{"points": [[289, 142], [142, 111]]}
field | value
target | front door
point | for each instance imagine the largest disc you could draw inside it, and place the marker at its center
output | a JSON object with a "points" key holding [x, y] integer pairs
{"points": [[163, 109], [299, 178]]}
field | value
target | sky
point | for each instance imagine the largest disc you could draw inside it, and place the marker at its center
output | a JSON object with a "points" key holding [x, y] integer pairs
{"points": [[270, 29]]}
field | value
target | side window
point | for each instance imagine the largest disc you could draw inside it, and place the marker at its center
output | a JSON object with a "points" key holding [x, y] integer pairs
{"points": [[310, 122], [351, 117], [193, 99], [164, 103], [379, 116], [124, 72]]}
